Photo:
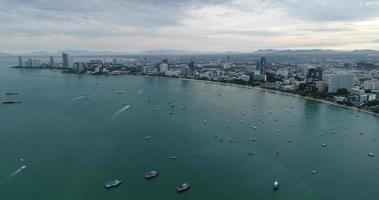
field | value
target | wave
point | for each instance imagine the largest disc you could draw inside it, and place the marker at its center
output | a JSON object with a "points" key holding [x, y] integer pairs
{"points": [[14, 173]]}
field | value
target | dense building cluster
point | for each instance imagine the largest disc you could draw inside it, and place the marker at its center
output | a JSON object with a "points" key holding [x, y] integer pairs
{"points": [[353, 83]]}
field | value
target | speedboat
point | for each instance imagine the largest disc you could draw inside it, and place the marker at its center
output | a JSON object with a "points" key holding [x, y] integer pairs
{"points": [[276, 185], [323, 145], [371, 154], [11, 93], [112, 183], [183, 187], [10, 101], [151, 174]]}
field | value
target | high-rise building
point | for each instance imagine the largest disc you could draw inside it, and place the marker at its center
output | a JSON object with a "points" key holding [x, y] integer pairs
{"points": [[163, 67], [35, 63], [66, 60], [20, 64], [262, 66], [51, 61], [340, 81], [314, 74], [371, 85]]}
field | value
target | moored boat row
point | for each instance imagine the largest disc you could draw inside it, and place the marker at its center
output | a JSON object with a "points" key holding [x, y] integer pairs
{"points": [[149, 175]]}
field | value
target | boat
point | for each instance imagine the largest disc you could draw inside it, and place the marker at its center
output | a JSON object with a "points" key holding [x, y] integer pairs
{"points": [[147, 137], [11, 93], [112, 183], [314, 172], [183, 187], [276, 185], [10, 101], [151, 174], [172, 157], [371, 154], [323, 145]]}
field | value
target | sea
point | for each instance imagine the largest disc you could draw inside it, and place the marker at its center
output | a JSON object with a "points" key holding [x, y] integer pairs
{"points": [[73, 133]]}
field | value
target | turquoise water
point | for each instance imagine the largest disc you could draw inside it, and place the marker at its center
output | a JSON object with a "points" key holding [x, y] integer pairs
{"points": [[71, 137]]}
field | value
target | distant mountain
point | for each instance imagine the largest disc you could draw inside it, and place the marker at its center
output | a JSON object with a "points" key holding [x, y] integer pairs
{"points": [[169, 52], [4, 54], [313, 51]]}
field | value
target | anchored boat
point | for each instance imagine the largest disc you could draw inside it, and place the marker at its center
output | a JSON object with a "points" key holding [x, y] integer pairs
{"points": [[183, 187], [151, 174], [112, 183]]}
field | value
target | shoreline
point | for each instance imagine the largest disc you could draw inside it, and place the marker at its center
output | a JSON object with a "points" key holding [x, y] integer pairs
{"points": [[278, 92], [266, 90]]}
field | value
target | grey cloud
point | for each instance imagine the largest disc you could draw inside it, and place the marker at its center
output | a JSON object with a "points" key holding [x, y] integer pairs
{"points": [[259, 33], [330, 10], [111, 16]]}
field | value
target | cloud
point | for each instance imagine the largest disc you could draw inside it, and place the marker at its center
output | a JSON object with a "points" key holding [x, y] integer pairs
{"points": [[330, 10], [204, 25]]}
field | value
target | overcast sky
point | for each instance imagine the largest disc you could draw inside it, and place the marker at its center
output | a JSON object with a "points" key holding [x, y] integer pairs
{"points": [[200, 25]]}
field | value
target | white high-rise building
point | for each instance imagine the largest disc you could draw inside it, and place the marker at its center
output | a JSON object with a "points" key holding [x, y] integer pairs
{"points": [[371, 85], [163, 67], [340, 81]]}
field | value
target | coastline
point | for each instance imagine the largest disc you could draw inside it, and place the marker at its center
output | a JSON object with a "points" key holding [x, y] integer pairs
{"points": [[270, 91], [281, 93]]}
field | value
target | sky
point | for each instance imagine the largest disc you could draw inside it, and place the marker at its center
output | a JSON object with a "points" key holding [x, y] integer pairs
{"points": [[195, 25]]}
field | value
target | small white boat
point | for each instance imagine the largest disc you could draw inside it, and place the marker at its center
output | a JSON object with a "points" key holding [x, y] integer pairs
{"points": [[147, 137], [112, 183], [172, 157], [323, 145], [183, 187], [371, 154], [314, 172], [151, 174], [276, 185], [205, 121]]}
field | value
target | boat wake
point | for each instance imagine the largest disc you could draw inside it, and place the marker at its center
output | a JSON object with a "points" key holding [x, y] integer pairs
{"points": [[14, 173], [73, 100], [119, 112]]}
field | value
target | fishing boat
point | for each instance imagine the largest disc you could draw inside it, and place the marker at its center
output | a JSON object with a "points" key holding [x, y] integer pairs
{"points": [[112, 183], [151, 174], [183, 187], [276, 185]]}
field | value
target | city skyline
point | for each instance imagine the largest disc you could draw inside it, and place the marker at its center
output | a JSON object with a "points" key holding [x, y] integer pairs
{"points": [[203, 26]]}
